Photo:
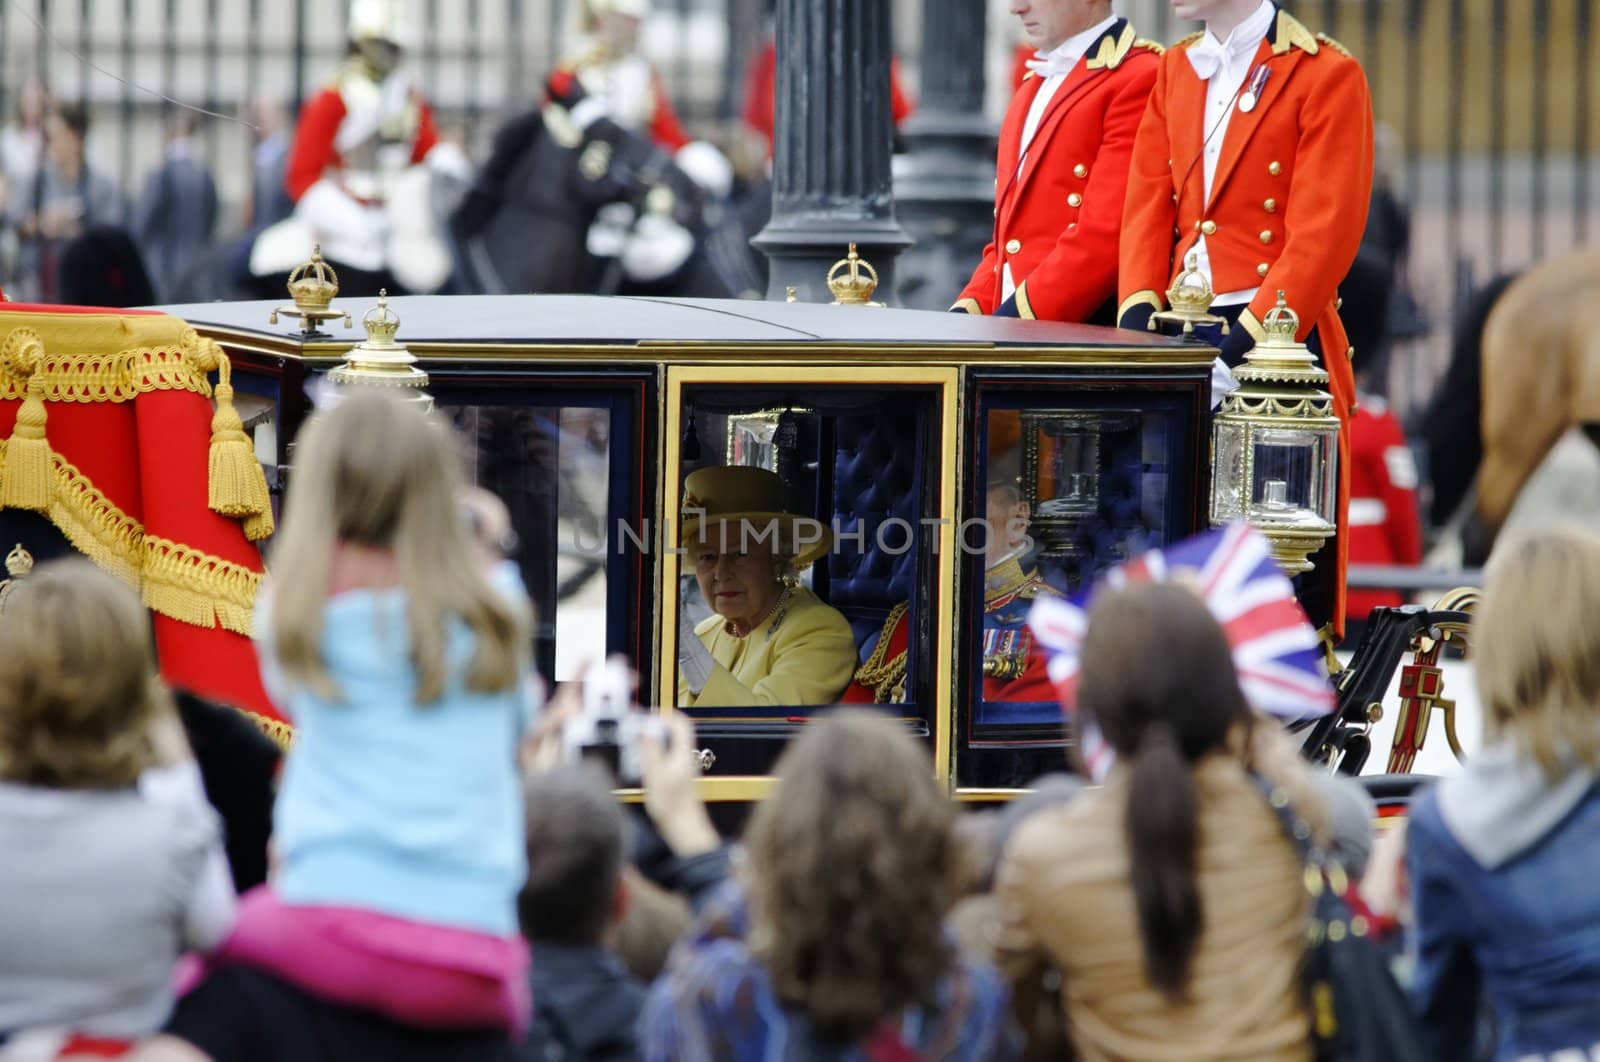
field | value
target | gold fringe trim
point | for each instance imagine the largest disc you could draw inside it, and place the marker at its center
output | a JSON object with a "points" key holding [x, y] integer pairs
{"points": [[280, 732], [236, 485], [176, 581], [198, 588], [119, 377]]}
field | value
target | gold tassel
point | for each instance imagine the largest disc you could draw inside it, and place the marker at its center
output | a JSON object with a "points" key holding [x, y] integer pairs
{"points": [[237, 487], [25, 479]]}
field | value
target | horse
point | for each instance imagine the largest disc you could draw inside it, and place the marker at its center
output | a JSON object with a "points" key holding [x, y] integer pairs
{"points": [[522, 225], [544, 186], [1524, 368]]}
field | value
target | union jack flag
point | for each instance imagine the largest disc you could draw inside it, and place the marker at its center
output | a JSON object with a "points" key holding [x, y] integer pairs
{"points": [[1275, 650]]}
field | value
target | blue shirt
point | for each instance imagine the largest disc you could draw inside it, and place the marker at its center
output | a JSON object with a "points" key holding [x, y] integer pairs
{"points": [[386, 805]]}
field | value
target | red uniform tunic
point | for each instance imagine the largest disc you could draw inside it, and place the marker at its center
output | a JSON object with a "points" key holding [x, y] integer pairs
{"points": [[1288, 200], [314, 152], [1058, 214], [760, 106], [1384, 525]]}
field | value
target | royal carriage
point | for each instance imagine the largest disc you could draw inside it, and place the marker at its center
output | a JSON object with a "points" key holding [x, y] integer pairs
{"points": [[903, 432]]}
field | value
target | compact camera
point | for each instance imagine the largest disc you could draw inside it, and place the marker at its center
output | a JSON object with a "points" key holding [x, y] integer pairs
{"points": [[610, 728]]}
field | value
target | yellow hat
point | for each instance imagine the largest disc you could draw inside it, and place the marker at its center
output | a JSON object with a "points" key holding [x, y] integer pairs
{"points": [[756, 498]]}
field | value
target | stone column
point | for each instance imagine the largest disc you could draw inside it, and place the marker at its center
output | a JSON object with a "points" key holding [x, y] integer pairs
{"points": [[831, 181], [945, 186]]}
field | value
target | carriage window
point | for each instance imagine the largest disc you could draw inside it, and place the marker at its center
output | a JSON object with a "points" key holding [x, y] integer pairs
{"points": [[1066, 494], [808, 527], [550, 466]]}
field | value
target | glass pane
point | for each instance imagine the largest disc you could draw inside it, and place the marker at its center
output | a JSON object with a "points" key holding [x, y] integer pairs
{"points": [[836, 623], [1284, 474], [1067, 493], [551, 467]]}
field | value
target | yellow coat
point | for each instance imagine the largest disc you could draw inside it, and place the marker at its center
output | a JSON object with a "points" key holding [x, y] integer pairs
{"points": [[803, 654]]}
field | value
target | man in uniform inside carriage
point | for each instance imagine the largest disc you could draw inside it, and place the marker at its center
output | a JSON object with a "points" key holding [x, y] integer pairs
{"points": [[1014, 668], [355, 174]]}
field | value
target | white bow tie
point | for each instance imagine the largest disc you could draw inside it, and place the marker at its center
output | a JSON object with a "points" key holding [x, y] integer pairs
{"points": [[1049, 64], [1208, 54]]}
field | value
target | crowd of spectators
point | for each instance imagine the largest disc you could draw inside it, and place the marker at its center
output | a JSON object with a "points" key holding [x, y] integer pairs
{"points": [[443, 882]]}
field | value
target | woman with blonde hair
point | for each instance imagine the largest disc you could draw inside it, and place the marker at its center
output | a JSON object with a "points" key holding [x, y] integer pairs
{"points": [[832, 946], [401, 655], [1170, 901], [1502, 859], [113, 860]]}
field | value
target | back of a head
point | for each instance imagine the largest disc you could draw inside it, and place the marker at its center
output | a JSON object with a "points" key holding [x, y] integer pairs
{"points": [[1536, 647], [1158, 679], [377, 472], [78, 687], [852, 868], [575, 835]]}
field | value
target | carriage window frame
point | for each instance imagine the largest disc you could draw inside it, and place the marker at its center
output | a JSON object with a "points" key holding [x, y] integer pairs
{"points": [[1187, 487], [943, 385]]}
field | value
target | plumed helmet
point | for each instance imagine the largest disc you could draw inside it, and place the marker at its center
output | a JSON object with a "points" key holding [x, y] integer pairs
{"points": [[639, 9], [382, 20]]}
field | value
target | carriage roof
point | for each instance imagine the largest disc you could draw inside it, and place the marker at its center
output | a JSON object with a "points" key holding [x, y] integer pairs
{"points": [[486, 322]]}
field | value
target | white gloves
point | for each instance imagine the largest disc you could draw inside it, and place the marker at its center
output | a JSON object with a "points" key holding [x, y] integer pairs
{"points": [[694, 659]]}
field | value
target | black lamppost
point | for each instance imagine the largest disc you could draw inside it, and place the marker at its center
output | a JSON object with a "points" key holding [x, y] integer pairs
{"points": [[944, 188], [831, 181]]}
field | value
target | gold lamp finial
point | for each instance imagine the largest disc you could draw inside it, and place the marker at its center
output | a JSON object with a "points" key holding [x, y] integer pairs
{"points": [[313, 285], [1190, 298], [853, 281], [1281, 325], [381, 362]]}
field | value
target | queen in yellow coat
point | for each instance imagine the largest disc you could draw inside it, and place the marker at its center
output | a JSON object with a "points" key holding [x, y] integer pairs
{"points": [[770, 641]]}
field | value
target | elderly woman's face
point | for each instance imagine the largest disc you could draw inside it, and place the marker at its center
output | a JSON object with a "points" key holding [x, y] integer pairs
{"points": [[738, 579]]}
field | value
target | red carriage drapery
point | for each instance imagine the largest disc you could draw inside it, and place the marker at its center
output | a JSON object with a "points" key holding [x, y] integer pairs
{"points": [[107, 428]]}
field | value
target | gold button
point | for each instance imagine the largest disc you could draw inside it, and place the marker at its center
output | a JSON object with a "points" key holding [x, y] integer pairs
{"points": [[1174, 197], [1261, 270], [1175, 232], [1080, 170], [1271, 206], [1208, 227], [1274, 169], [1073, 227], [1266, 235], [1074, 199], [1013, 246]]}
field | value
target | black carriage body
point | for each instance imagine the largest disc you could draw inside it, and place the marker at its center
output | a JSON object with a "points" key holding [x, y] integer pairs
{"points": [[893, 426]]}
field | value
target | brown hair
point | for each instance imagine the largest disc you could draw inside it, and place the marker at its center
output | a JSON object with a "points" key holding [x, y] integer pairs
{"points": [[78, 686], [378, 472], [1537, 650], [573, 835], [1161, 709], [852, 869]]}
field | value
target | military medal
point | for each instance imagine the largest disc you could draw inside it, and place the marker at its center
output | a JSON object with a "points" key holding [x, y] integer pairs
{"points": [[1258, 81]]}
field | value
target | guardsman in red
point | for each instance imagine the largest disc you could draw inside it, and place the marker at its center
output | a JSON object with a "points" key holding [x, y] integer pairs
{"points": [[609, 65], [1063, 166], [1256, 155], [1384, 525]]}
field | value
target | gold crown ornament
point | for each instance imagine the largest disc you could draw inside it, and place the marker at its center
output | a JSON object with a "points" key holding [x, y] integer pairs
{"points": [[381, 362], [19, 562], [1190, 298], [853, 281], [313, 285]]}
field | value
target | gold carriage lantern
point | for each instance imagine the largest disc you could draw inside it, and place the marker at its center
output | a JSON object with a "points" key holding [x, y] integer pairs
{"points": [[853, 281], [1275, 444], [381, 362]]}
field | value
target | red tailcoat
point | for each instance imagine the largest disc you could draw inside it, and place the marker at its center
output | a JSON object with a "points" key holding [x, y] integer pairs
{"points": [[1384, 525], [1288, 200], [1058, 215]]}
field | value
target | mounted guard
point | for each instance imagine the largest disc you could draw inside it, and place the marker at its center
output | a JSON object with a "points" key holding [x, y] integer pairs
{"points": [[356, 171]]}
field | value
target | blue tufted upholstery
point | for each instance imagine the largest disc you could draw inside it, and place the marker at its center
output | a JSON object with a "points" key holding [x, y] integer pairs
{"points": [[875, 479]]}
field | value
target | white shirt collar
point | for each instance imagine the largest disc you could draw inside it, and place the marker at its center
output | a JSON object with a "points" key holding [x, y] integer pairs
{"points": [[1247, 35], [1062, 58]]}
